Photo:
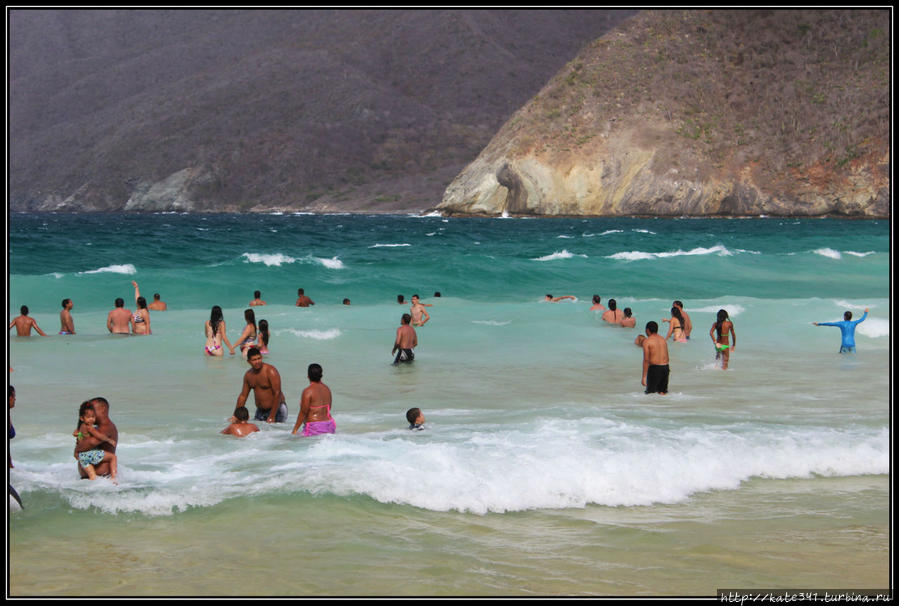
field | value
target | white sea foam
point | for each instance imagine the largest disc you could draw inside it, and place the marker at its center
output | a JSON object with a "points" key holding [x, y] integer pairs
{"points": [[874, 327], [491, 322], [389, 245], [557, 465], [269, 260], [732, 309], [637, 255], [859, 254], [332, 263], [563, 254], [317, 335], [828, 252], [126, 268]]}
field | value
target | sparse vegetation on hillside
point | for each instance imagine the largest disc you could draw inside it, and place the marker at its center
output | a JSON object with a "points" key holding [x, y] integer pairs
{"points": [[789, 90], [293, 108]]}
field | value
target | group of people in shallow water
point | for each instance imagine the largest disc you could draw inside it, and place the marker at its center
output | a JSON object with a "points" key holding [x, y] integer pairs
{"points": [[96, 435]]}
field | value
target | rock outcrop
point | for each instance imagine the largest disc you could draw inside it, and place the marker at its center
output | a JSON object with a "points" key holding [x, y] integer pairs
{"points": [[701, 113]]}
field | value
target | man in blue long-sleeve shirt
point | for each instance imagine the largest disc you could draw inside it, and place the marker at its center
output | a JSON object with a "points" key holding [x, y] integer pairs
{"points": [[847, 328]]}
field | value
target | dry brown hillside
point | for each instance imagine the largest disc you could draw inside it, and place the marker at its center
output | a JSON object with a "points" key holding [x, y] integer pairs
{"points": [[222, 109], [703, 112]]}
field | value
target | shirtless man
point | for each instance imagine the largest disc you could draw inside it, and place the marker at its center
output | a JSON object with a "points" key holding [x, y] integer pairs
{"points": [[257, 299], [119, 321], [66, 323], [655, 361], [24, 324], [315, 406], [302, 299], [106, 427], [240, 425], [597, 306], [406, 339], [265, 382], [688, 325], [157, 304], [418, 310]]}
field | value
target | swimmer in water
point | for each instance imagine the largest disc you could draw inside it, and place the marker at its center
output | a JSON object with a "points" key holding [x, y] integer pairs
{"points": [[416, 418], [847, 329], [676, 326], [240, 424]]}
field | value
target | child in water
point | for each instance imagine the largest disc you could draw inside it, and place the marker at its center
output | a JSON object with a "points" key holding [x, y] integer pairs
{"points": [[240, 423], [88, 458], [416, 418]]}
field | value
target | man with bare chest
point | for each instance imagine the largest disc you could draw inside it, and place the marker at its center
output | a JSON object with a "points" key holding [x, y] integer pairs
{"points": [[265, 382], [655, 361]]}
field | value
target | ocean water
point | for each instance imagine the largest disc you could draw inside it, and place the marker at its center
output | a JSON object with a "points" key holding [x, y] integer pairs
{"points": [[544, 469]]}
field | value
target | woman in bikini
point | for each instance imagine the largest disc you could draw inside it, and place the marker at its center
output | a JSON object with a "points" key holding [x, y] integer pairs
{"points": [[247, 338], [315, 406], [719, 333], [676, 328], [215, 334], [140, 319]]}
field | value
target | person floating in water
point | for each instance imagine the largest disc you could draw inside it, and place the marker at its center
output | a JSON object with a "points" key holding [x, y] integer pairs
{"points": [[847, 328], [416, 418], [552, 299], [240, 424]]}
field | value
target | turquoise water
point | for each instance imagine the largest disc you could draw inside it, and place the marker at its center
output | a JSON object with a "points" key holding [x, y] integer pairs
{"points": [[544, 469]]}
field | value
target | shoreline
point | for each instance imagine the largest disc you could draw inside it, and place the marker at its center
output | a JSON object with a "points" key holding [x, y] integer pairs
{"points": [[433, 212]]}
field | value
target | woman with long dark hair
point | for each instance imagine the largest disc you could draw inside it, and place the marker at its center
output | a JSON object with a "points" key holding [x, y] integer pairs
{"points": [[676, 328], [247, 338], [263, 337], [720, 332], [215, 333]]}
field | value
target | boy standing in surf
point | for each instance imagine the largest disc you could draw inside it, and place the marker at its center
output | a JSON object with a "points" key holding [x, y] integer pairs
{"points": [[847, 328]]}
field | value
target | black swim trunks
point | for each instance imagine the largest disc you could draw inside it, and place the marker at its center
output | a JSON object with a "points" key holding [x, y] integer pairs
{"points": [[657, 378], [280, 416], [404, 355]]}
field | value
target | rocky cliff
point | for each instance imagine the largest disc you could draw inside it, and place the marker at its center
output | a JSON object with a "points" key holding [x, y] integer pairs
{"points": [[702, 113], [234, 110]]}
